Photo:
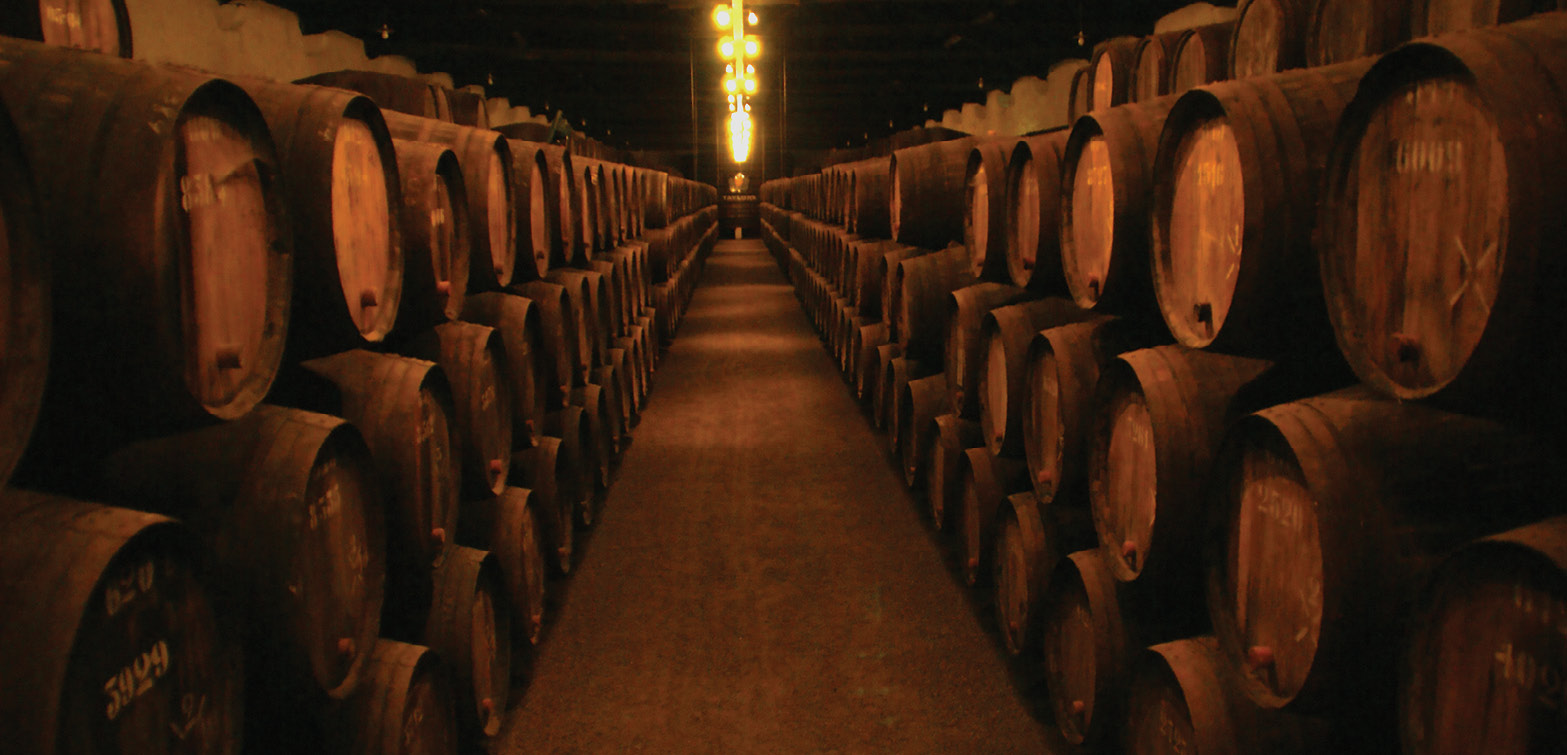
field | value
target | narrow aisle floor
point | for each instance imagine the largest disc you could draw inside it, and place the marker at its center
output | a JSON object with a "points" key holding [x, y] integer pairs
{"points": [[760, 581]]}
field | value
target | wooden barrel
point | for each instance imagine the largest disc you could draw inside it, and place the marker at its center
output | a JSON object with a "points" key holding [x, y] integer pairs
{"points": [[96, 25], [616, 269], [470, 629], [886, 354], [24, 314], [508, 527], [634, 377], [434, 223], [944, 471], [1233, 264], [656, 196], [585, 186], [1079, 96], [1343, 30], [868, 193], [114, 633], [1110, 72], [548, 472], [892, 285], [597, 401], [987, 483], [1153, 66], [602, 301], [871, 266], [926, 206], [1182, 698], [1004, 338], [923, 285], [474, 359], [1202, 55], [190, 311], [467, 108], [531, 186], [558, 332], [1428, 18], [1270, 36], [527, 368], [403, 408], [404, 706], [583, 291], [345, 201], [486, 161], [1443, 304], [578, 472], [1158, 416], [918, 405], [607, 378], [1030, 539], [871, 337], [623, 369], [288, 504], [608, 214], [404, 94], [1107, 185], [562, 201], [1086, 647], [985, 209], [895, 379], [1033, 212], [1062, 371], [1328, 513], [1482, 671]]}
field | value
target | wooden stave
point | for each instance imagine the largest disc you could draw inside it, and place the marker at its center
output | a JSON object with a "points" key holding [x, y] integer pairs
{"points": [[418, 523], [465, 581], [477, 151], [467, 108], [402, 94], [536, 235], [1277, 304], [1422, 23], [474, 359], [1078, 96], [131, 210], [81, 553], [429, 297], [923, 284], [243, 487]]}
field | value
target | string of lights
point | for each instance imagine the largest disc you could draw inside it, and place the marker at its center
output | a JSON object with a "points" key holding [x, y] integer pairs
{"points": [[737, 50]]}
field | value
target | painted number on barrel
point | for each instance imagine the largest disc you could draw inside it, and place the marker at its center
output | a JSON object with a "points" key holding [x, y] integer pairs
{"points": [[124, 589], [1548, 609], [136, 679], [1440, 156], [1539, 678], [201, 190], [71, 19], [1171, 730]]}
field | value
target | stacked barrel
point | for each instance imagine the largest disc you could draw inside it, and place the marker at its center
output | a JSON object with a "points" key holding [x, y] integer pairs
{"points": [[1226, 393], [305, 399]]}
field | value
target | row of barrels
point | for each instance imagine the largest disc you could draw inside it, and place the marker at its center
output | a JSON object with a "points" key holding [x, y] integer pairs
{"points": [[1270, 36], [336, 465], [1380, 212], [1101, 481]]}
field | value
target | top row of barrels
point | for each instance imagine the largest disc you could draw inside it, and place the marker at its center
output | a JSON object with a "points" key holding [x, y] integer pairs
{"points": [[1393, 207], [195, 233]]}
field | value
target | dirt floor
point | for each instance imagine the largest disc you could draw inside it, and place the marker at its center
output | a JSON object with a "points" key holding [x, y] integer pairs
{"points": [[760, 581]]}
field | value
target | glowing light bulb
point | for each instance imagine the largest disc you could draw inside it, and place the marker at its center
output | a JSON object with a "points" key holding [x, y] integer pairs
{"points": [[750, 18], [749, 69], [726, 49], [731, 85], [729, 68], [750, 86], [721, 16], [753, 47]]}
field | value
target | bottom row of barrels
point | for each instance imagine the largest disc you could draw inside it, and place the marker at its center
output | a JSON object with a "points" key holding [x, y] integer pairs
{"points": [[310, 582]]}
